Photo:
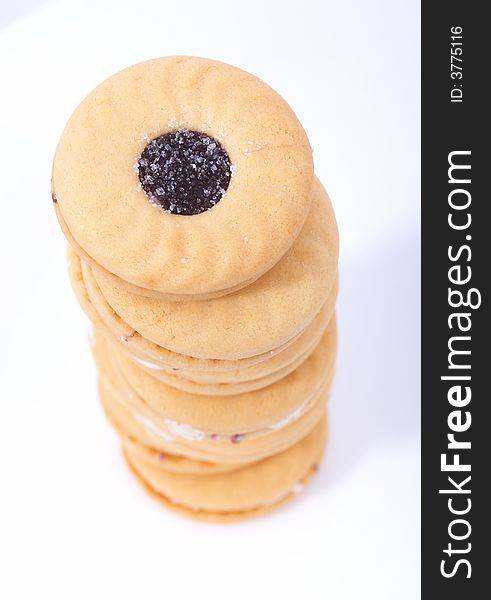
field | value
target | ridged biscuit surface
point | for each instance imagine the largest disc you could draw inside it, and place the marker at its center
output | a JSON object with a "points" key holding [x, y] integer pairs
{"points": [[109, 217]]}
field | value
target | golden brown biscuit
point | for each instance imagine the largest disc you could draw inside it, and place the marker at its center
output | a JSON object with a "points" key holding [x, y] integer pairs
{"points": [[261, 317], [241, 379], [137, 420], [183, 383], [152, 356], [174, 170], [235, 417], [237, 494]]}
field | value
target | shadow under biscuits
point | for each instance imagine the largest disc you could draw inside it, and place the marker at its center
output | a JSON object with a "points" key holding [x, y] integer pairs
{"points": [[375, 399]]}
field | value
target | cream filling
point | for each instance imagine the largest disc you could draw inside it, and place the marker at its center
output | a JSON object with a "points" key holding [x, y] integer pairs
{"points": [[149, 365], [249, 360], [185, 431], [152, 428], [173, 370]]}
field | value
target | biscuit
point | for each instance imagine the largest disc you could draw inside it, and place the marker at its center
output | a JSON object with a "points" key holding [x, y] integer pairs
{"points": [[263, 316], [155, 357], [165, 460], [200, 417], [137, 420], [236, 494], [183, 383], [182, 178], [246, 378]]}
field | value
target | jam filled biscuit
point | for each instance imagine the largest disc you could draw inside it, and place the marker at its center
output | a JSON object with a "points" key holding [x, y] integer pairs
{"points": [[182, 178], [261, 317]]}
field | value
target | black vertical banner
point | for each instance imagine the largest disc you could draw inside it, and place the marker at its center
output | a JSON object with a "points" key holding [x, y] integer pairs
{"points": [[456, 270]]}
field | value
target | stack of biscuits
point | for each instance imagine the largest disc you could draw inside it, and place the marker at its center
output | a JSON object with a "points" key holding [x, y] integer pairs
{"points": [[204, 251]]}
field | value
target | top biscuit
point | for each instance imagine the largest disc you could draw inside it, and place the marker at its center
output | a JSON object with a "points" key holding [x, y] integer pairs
{"points": [[183, 178]]}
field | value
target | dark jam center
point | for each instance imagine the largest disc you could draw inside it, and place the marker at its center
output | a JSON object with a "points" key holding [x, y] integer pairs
{"points": [[184, 172]]}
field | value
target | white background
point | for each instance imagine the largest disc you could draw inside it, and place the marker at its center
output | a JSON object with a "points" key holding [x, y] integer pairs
{"points": [[73, 523]]}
